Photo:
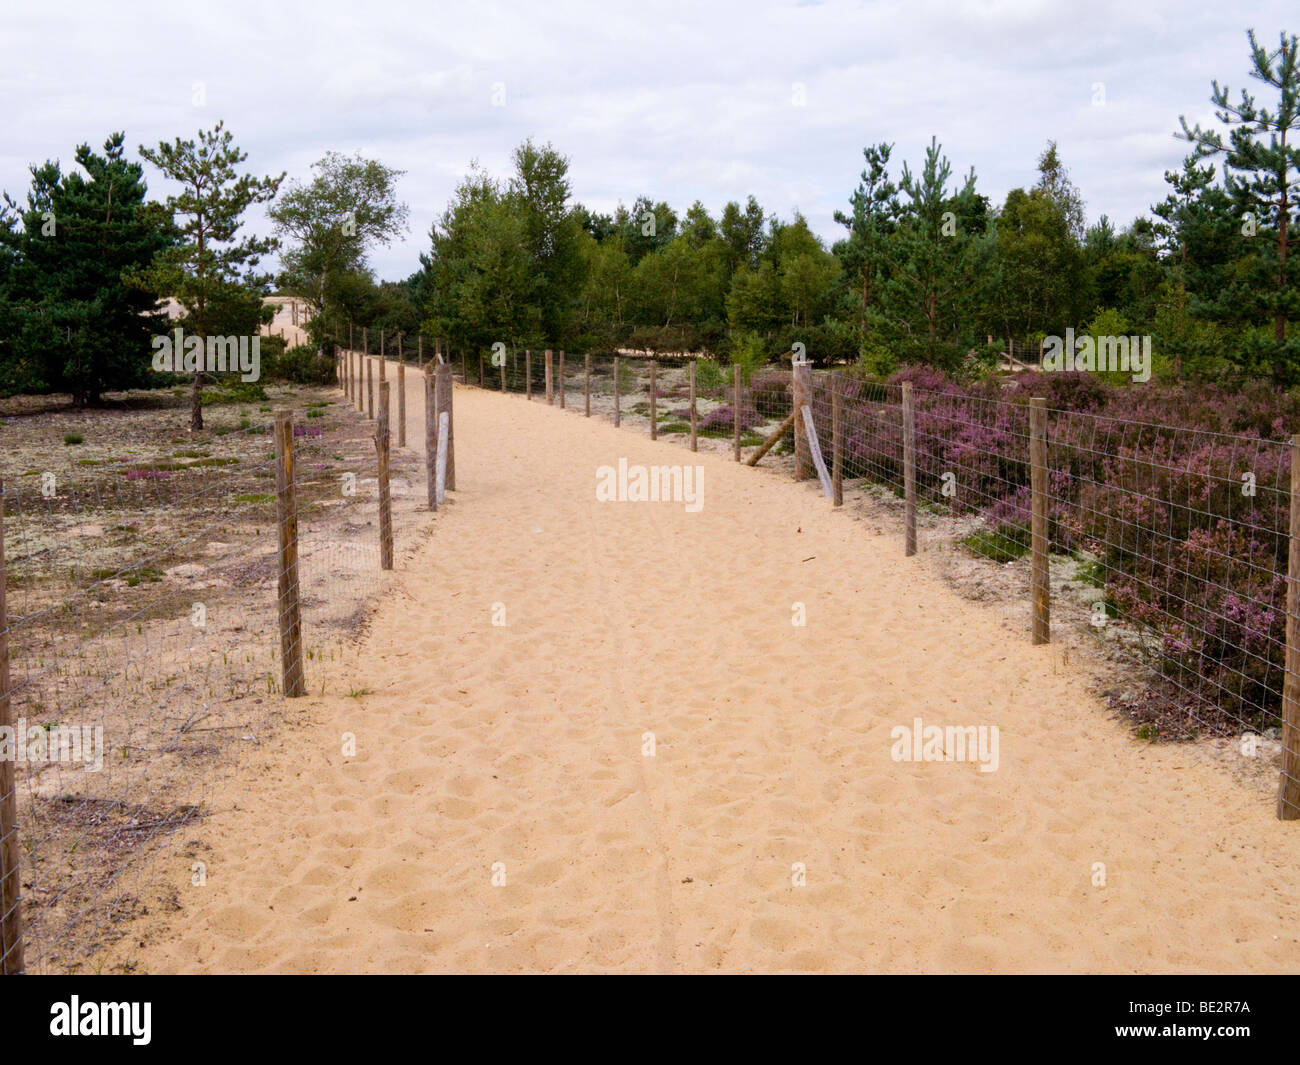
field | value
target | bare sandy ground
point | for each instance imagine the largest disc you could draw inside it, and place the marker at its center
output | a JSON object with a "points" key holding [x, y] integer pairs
{"points": [[524, 745], [285, 324]]}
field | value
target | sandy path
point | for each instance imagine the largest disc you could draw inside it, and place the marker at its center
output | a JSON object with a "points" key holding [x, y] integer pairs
{"points": [[523, 745]]}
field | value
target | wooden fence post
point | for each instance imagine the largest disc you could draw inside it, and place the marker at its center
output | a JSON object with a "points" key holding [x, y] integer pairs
{"points": [[550, 383], [383, 447], [383, 359], [528, 375], [430, 431], [654, 405], [586, 383], [503, 370], [801, 387], [1040, 589], [365, 340], [294, 683], [559, 383], [617, 413], [694, 442], [909, 471], [1288, 789], [444, 405], [370, 387], [11, 917], [837, 443], [735, 407]]}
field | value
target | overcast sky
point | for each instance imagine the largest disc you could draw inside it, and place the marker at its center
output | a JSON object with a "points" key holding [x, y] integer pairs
{"points": [[676, 100]]}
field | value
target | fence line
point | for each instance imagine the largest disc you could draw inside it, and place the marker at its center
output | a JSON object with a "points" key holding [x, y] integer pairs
{"points": [[149, 628]]}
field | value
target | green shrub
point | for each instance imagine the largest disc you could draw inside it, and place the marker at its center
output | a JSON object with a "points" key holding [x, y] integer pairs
{"points": [[301, 365], [997, 546], [877, 359], [72, 438], [749, 353], [709, 375], [235, 392]]}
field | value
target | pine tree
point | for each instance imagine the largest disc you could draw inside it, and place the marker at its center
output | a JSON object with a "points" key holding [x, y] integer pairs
{"points": [[74, 277], [1200, 236], [1055, 182], [936, 264], [537, 195], [1262, 177], [875, 216], [207, 258]]}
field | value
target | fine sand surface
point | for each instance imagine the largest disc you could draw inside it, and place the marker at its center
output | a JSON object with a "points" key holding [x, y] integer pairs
{"points": [[523, 745]]}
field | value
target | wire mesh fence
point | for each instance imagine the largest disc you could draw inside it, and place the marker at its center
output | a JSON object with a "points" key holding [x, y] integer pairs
{"points": [[147, 588], [1178, 538]]}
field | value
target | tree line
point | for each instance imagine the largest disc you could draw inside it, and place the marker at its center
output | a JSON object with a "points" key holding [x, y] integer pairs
{"points": [[928, 269]]}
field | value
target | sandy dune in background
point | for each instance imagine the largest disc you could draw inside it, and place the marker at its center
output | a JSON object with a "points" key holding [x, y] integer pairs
{"points": [[523, 745], [283, 323]]}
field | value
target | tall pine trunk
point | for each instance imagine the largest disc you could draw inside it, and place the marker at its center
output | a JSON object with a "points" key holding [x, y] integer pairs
{"points": [[196, 403], [196, 397], [1279, 319]]}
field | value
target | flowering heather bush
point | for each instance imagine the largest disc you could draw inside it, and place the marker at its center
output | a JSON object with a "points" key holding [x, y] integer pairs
{"points": [[982, 442], [146, 475], [1218, 602], [1180, 492], [927, 379], [306, 430], [1065, 391], [873, 429], [1012, 514], [722, 420], [770, 393]]}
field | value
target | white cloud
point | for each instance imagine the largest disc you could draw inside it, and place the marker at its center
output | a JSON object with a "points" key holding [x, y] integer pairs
{"points": [[671, 98]]}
